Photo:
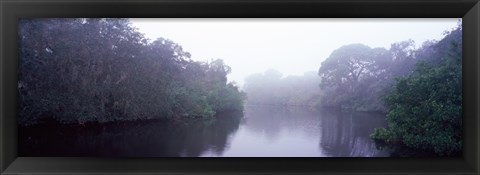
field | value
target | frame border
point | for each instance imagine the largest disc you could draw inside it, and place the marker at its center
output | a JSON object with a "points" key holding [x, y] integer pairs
{"points": [[11, 10]]}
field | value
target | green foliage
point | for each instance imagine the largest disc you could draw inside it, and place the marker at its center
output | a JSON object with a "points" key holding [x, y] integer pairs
{"points": [[80, 70], [226, 98], [353, 77], [424, 110], [419, 89]]}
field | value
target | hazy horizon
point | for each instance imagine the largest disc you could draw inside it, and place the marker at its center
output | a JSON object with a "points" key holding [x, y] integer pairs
{"points": [[291, 46], [109, 88]]}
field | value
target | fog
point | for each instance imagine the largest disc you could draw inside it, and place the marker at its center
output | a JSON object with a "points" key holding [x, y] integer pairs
{"points": [[291, 46], [316, 87]]}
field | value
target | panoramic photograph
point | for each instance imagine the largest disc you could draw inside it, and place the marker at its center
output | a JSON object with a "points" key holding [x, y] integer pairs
{"points": [[219, 87]]}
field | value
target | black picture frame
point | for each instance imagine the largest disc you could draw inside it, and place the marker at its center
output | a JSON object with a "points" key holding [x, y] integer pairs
{"points": [[12, 10]]}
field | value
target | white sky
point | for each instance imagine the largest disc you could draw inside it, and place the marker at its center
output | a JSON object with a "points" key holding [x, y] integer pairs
{"points": [[291, 46]]}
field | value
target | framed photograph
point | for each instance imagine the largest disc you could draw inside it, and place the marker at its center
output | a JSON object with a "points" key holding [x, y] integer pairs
{"points": [[271, 87]]}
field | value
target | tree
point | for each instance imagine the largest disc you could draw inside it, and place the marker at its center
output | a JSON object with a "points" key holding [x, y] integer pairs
{"points": [[100, 70], [349, 72], [424, 110]]}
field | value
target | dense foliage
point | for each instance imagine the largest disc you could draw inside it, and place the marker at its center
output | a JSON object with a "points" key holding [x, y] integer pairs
{"points": [[355, 76], [347, 74], [424, 109], [419, 89], [79, 70], [270, 88], [101, 70]]}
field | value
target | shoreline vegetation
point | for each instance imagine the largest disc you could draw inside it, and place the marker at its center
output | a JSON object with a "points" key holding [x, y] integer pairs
{"points": [[418, 89], [85, 72], [101, 70]]}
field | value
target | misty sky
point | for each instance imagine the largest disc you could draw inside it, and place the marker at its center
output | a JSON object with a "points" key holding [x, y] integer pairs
{"points": [[291, 46]]}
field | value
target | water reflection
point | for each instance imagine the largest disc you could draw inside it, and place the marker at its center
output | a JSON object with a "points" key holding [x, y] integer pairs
{"points": [[276, 132], [347, 134], [260, 131], [300, 132], [152, 139], [272, 120]]}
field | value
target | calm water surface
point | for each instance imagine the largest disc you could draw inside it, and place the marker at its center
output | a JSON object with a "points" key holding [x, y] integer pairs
{"points": [[260, 131]]}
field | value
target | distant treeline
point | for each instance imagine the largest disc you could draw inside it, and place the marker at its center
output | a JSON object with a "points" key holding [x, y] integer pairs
{"points": [[418, 88], [80, 70], [269, 88]]}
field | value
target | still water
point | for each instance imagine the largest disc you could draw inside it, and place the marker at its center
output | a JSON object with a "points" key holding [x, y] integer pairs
{"points": [[260, 131]]}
